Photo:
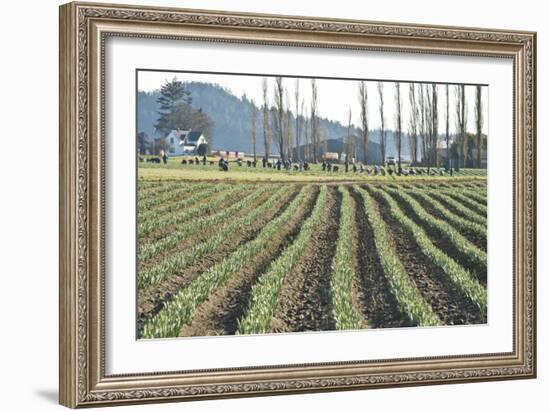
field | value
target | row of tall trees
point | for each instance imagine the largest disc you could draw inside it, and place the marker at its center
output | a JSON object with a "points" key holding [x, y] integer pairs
{"points": [[278, 125], [300, 136], [423, 128]]}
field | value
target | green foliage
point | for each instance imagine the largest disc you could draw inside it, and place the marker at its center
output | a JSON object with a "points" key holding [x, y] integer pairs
{"points": [[464, 197], [179, 260], [150, 200], [465, 223], [181, 309], [462, 278], [265, 293], [469, 251], [183, 209], [344, 267], [407, 295], [175, 110]]}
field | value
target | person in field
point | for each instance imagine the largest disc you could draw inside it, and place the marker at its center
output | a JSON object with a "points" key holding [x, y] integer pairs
{"points": [[223, 165], [164, 157]]}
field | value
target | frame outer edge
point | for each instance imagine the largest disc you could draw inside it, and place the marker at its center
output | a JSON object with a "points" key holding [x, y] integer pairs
{"points": [[68, 350], [77, 389]]}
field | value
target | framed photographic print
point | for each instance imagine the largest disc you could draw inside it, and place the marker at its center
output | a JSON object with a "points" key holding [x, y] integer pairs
{"points": [[258, 204]]}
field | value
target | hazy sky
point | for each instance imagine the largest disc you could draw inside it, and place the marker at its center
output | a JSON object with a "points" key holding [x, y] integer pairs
{"points": [[335, 97]]}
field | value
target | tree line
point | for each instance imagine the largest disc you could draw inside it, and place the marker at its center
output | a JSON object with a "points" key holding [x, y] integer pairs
{"points": [[422, 130]]}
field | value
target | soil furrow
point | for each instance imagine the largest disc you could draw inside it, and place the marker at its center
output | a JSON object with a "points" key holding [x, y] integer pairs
{"points": [[444, 244], [304, 301], [151, 299], [451, 306], [219, 314], [477, 240], [201, 234], [377, 303]]}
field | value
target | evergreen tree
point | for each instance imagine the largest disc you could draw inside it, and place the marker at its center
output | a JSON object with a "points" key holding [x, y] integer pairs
{"points": [[172, 96]]}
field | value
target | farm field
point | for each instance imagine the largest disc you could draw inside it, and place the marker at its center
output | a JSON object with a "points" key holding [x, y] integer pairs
{"points": [[254, 251], [174, 170]]}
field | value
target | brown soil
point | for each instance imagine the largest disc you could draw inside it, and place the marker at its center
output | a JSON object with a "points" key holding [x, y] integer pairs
{"points": [[161, 232], [454, 210], [304, 301], [199, 235], [220, 313], [441, 242], [473, 237], [475, 198], [378, 304], [151, 299], [457, 197], [447, 301]]}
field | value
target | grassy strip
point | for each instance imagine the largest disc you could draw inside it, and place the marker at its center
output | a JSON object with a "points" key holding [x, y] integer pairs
{"points": [[181, 309], [344, 266], [178, 204], [410, 300], [265, 293], [147, 251], [462, 278], [468, 224], [463, 246], [147, 226], [180, 261]]}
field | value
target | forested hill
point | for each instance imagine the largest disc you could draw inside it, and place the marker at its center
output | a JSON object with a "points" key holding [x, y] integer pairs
{"points": [[232, 119]]}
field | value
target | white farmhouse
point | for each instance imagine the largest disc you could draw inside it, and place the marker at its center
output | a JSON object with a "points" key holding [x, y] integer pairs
{"points": [[186, 142]]}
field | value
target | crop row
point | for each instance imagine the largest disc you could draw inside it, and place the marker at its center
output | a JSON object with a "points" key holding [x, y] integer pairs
{"points": [[181, 309], [165, 244], [469, 251], [459, 208], [175, 193], [407, 295], [461, 196], [190, 210], [179, 261], [179, 203], [265, 293], [148, 189], [344, 267], [465, 223], [463, 279]]}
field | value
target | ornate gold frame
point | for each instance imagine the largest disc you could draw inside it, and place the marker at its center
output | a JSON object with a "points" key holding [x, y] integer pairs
{"points": [[83, 30]]}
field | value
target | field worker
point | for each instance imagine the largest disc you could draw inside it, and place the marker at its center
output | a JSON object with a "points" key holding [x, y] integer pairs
{"points": [[164, 157]]}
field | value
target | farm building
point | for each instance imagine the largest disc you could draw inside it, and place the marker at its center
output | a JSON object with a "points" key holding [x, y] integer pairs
{"points": [[229, 155], [185, 142]]}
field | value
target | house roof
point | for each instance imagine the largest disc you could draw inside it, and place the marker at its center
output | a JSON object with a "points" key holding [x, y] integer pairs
{"points": [[193, 136]]}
